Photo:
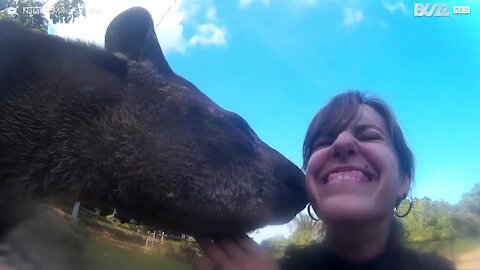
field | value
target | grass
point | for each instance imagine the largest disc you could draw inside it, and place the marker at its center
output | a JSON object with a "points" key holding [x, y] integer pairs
{"points": [[118, 254], [109, 255], [122, 253]]}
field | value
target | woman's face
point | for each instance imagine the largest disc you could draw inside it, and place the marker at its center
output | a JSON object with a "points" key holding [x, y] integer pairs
{"points": [[354, 176]]}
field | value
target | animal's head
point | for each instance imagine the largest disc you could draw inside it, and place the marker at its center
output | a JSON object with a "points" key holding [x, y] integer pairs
{"points": [[120, 129]]}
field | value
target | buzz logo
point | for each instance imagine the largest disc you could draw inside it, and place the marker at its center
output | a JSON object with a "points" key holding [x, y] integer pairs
{"points": [[429, 9]]}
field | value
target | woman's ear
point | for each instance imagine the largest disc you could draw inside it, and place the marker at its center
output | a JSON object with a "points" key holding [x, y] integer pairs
{"points": [[404, 187]]}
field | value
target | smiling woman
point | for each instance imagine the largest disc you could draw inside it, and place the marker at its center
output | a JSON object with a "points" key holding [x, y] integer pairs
{"points": [[359, 145], [358, 170]]}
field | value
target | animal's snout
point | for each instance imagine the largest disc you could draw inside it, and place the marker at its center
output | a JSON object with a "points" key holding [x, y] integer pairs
{"points": [[290, 175], [292, 197]]}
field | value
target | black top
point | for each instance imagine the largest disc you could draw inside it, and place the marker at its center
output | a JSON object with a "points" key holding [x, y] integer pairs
{"points": [[317, 257]]}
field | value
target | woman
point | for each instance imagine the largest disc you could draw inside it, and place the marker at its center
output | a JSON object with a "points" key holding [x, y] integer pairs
{"points": [[358, 169]]}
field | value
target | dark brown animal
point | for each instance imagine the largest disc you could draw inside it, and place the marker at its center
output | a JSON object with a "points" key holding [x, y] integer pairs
{"points": [[78, 122]]}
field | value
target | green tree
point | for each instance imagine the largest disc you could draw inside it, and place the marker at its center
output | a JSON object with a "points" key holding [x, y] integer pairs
{"points": [[306, 230], [467, 217], [66, 11], [4, 4], [430, 220], [30, 14], [471, 201], [276, 245]]}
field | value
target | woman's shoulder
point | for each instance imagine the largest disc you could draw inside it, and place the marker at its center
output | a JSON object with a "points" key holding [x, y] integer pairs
{"points": [[305, 257], [316, 257]]}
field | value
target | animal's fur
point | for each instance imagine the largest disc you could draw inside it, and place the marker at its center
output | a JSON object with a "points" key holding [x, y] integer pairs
{"points": [[77, 122]]}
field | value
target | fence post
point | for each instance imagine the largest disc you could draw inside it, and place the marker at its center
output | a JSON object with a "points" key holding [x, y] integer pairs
{"points": [[146, 242], [161, 239], [76, 207], [153, 242]]}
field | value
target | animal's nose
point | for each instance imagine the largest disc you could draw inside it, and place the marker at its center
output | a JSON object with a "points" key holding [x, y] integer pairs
{"points": [[293, 196], [344, 146]]}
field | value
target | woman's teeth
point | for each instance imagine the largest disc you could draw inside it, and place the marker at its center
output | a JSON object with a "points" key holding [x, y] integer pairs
{"points": [[350, 176]]}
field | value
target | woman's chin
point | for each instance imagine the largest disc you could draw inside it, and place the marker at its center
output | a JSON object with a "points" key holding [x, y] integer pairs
{"points": [[348, 210]]}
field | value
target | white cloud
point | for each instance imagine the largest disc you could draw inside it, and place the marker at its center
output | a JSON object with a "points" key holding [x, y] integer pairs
{"points": [[352, 16], [392, 7], [190, 7], [247, 3], [170, 32], [211, 13], [209, 34]]}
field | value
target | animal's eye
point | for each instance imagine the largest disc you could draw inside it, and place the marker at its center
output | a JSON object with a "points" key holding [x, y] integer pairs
{"points": [[241, 124]]}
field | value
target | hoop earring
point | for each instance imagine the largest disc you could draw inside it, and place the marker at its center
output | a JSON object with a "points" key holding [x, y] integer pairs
{"points": [[410, 204], [310, 212]]}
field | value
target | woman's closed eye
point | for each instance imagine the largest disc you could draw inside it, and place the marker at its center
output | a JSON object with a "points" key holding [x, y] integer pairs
{"points": [[321, 143], [370, 136]]}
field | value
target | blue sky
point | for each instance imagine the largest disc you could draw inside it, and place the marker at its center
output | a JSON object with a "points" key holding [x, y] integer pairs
{"points": [[282, 62], [276, 62]]}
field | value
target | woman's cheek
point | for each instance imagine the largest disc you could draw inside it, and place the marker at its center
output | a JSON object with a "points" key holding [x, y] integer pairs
{"points": [[316, 163], [314, 168], [311, 188]]}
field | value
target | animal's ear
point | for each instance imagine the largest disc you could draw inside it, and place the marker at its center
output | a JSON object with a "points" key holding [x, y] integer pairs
{"points": [[132, 33]]}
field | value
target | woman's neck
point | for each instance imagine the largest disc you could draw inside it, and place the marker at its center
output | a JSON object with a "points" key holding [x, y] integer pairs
{"points": [[357, 242]]}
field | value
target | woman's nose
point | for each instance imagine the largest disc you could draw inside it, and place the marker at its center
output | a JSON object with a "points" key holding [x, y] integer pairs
{"points": [[344, 146]]}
